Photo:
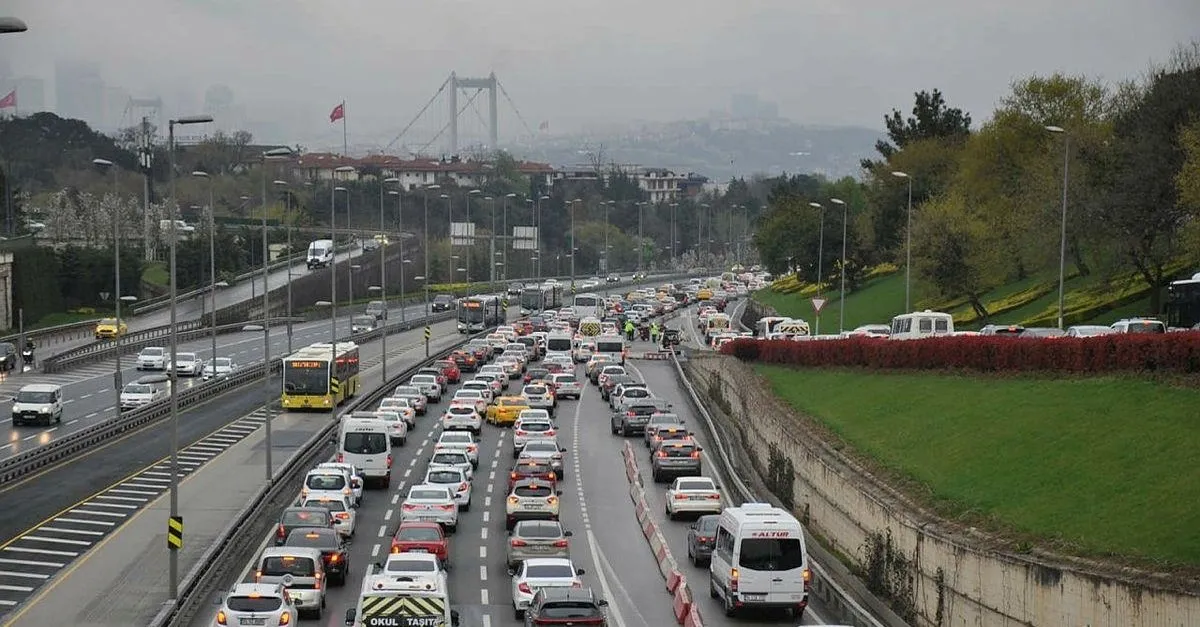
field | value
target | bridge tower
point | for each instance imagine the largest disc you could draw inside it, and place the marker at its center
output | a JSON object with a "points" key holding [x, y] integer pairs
{"points": [[489, 84]]}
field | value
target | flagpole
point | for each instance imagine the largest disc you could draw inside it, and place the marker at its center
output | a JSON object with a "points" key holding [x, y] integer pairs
{"points": [[345, 140]]}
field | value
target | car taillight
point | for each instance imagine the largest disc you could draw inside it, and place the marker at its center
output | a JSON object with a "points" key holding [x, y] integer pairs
{"points": [[221, 620], [447, 508], [334, 558], [512, 475], [389, 461], [472, 448], [524, 587], [280, 532], [551, 432], [807, 579], [577, 584], [342, 515], [512, 500], [630, 414], [733, 580], [714, 497], [520, 432], [462, 487], [562, 544], [518, 543], [695, 455], [662, 453], [552, 500], [341, 458], [680, 497], [285, 618], [409, 507]]}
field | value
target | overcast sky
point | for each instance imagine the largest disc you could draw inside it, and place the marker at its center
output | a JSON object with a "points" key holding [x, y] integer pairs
{"points": [[575, 64]]}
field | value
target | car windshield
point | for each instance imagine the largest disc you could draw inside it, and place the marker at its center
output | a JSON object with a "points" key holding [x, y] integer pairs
{"points": [[707, 525], [424, 379], [406, 390], [569, 609], [135, 388], [461, 411], [278, 566], [540, 447], [532, 491], [771, 554], [360, 443], [325, 482], [153, 351], [296, 518], [696, 484], [332, 505], [411, 566], [541, 530], [469, 394], [449, 459], [565, 378], [456, 437], [428, 494], [442, 298], [549, 571], [537, 426], [443, 476], [317, 539], [222, 362], [254, 603], [419, 534], [25, 396]]}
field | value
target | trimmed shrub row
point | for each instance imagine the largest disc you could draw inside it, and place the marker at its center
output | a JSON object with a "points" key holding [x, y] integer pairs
{"points": [[1171, 352]]}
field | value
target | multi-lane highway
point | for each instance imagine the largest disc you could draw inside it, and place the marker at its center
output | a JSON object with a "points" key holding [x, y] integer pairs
{"points": [[90, 397]]}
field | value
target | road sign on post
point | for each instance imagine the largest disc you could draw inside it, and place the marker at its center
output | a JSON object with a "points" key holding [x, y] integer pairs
{"points": [[428, 332], [818, 303], [175, 533]]}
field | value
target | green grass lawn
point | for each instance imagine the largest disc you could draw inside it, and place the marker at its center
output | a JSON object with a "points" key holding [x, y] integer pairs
{"points": [[156, 274], [876, 302], [1103, 464]]}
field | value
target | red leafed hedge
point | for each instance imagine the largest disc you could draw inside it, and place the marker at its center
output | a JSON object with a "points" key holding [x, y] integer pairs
{"points": [[1170, 352]]}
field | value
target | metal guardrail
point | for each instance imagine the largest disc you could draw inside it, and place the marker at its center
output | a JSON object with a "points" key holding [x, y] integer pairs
{"points": [[98, 351], [39, 458], [824, 586], [61, 332], [246, 529]]}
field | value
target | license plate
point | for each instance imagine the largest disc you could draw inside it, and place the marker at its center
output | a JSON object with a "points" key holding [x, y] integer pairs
{"points": [[754, 597], [699, 498], [252, 621], [418, 551], [530, 506]]}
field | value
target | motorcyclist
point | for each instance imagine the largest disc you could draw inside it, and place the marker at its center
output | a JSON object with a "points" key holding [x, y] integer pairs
{"points": [[27, 354]]}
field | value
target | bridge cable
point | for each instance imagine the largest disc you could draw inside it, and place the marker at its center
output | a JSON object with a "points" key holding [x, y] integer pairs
{"points": [[418, 116]]}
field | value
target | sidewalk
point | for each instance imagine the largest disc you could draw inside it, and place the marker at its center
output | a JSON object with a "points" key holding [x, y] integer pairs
{"points": [[122, 581]]}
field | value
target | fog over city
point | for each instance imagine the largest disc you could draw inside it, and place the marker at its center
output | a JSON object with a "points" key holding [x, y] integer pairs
{"points": [[574, 65]]}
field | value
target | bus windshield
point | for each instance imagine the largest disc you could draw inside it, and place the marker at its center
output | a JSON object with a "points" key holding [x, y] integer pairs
{"points": [[531, 298], [304, 378], [471, 314]]}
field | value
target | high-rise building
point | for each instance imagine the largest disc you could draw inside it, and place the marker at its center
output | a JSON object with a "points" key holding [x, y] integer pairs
{"points": [[79, 92]]}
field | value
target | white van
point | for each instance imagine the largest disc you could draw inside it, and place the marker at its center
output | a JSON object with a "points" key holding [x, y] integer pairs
{"points": [[320, 254], [38, 402], [921, 324], [613, 346], [559, 344], [760, 560], [365, 444]]}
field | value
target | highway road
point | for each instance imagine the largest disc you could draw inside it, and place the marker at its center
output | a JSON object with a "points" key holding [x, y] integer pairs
{"points": [[90, 397], [54, 517], [607, 541]]}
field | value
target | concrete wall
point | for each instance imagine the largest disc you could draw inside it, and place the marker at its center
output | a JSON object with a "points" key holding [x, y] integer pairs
{"points": [[956, 577]]}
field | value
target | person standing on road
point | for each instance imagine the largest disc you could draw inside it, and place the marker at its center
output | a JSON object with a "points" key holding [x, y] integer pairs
{"points": [[629, 329], [654, 332]]}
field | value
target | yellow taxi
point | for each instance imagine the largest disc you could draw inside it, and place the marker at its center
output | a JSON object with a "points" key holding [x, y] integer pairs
{"points": [[704, 294], [506, 409], [109, 328]]}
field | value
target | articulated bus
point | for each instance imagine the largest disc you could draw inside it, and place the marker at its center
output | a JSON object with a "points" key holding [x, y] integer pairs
{"points": [[308, 382], [478, 313], [540, 298], [1183, 303]]}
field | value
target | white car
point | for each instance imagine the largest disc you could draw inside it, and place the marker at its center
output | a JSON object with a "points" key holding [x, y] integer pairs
{"points": [[475, 397], [498, 371], [397, 425], [344, 518], [454, 459], [432, 503], [541, 572], [693, 495], [462, 441], [152, 358], [483, 387], [185, 365], [415, 395], [429, 386], [401, 405], [513, 366], [455, 480], [528, 429], [356, 480], [462, 417], [566, 385], [412, 564], [219, 367], [623, 394], [497, 381], [136, 394], [328, 482], [585, 352], [538, 396]]}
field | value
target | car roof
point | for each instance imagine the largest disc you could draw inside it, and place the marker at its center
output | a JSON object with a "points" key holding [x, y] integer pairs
{"points": [[40, 387]]}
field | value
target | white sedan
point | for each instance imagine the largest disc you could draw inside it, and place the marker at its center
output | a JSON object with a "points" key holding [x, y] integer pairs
{"points": [[454, 459], [431, 503], [477, 399], [455, 480], [693, 495], [541, 572], [397, 426], [219, 367], [462, 417], [460, 441], [185, 365]]}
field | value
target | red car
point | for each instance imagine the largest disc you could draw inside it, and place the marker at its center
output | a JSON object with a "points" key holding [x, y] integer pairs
{"points": [[532, 469], [465, 361], [524, 327], [554, 368], [449, 369], [422, 537]]}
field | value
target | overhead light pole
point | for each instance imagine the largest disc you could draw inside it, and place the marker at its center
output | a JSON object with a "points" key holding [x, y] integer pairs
{"points": [[470, 238], [400, 243], [574, 209], [641, 246], [492, 246], [1062, 240], [425, 227], [908, 243], [173, 566], [842, 269], [607, 268], [288, 228], [212, 264], [537, 223], [505, 246], [267, 156], [104, 165], [12, 25], [673, 206], [820, 255]]}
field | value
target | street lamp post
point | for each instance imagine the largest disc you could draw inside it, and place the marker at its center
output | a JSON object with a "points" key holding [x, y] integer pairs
{"points": [[820, 255], [504, 246], [273, 154], [492, 245], [673, 209], [641, 247], [333, 295], [173, 566], [842, 269], [450, 220], [425, 227], [107, 166], [470, 237], [400, 243], [574, 207], [288, 227], [537, 223], [908, 244], [383, 263], [1062, 241], [607, 225], [212, 263]]}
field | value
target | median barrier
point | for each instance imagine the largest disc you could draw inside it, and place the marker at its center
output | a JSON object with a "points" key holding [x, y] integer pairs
{"points": [[648, 527], [693, 618], [674, 578], [682, 605]]}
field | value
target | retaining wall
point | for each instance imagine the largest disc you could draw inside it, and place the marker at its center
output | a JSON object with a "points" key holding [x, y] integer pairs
{"points": [[940, 574]]}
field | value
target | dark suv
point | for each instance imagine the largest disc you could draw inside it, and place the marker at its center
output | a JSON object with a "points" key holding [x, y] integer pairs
{"points": [[566, 606], [8, 356], [443, 302], [677, 458], [632, 421]]}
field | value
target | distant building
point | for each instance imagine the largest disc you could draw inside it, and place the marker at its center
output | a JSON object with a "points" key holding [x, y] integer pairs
{"points": [[79, 92], [413, 173], [657, 184]]}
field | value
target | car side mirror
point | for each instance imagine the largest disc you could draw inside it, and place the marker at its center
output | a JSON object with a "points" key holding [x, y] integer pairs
{"points": [[559, 492], [602, 603], [568, 534], [350, 616], [454, 618], [580, 571], [700, 449], [512, 571], [562, 449]]}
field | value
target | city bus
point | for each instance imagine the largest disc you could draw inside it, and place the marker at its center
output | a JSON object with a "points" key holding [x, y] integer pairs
{"points": [[308, 382], [1183, 303], [540, 298], [478, 313], [588, 306]]}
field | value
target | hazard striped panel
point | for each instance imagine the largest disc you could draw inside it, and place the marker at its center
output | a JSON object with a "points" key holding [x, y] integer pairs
{"points": [[403, 606]]}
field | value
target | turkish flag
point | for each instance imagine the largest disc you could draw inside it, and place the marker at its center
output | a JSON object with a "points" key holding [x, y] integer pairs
{"points": [[9, 101], [338, 112]]}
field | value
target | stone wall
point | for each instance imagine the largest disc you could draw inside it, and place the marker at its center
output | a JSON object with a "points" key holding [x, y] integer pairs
{"points": [[934, 573]]}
